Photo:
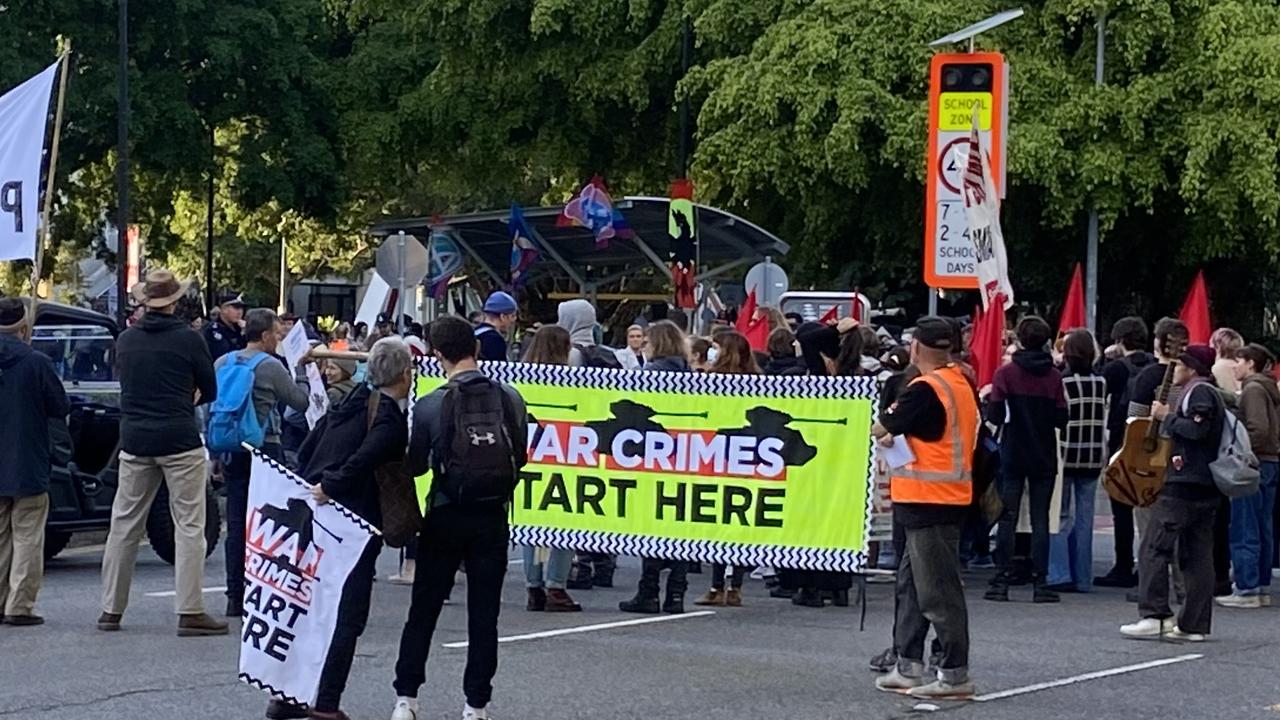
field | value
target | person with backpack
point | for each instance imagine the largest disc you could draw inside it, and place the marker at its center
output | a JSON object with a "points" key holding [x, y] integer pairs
{"points": [[472, 434], [251, 383], [590, 569], [1252, 517], [364, 431], [165, 372], [1130, 335], [500, 312], [1182, 518]]}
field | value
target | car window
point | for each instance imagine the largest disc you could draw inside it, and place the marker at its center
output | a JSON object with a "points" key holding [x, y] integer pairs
{"points": [[80, 353]]}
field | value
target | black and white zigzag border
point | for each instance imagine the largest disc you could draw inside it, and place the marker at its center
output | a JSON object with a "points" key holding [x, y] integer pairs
{"points": [[674, 382], [699, 550], [342, 510], [270, 690]]}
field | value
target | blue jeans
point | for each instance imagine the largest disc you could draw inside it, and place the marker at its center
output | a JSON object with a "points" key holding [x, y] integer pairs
{"points": [[556, 572], [1071, 549], [1253, 534]]}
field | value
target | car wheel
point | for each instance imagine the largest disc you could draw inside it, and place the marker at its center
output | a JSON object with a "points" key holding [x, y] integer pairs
{"points": [[55, 541], [160, 525]]}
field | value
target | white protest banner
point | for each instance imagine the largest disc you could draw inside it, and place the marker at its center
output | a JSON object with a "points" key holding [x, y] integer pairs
{"points": [[982, 209], [24, 117], [297, 559], [319, 398], [295, 345]]}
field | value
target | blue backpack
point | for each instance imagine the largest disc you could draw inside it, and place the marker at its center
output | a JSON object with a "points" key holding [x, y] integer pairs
{"points": [[232, 419]]}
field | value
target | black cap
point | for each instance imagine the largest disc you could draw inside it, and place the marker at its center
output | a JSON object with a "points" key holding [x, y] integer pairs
{"points": [[236, 299], [935, 332], [384, 319]]}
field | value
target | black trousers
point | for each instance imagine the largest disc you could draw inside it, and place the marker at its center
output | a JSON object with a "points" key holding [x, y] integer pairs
{"points": [[235, 473], [353, 615], [930, 593], [735, 581], [1041, 491], [1222, 548], [651, 573], [1185, 527], [451, 535], [1123, 516]]}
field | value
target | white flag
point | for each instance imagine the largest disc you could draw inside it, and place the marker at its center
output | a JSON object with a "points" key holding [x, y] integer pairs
{"points": [[982, 209], [297, 559], [24, 118]]}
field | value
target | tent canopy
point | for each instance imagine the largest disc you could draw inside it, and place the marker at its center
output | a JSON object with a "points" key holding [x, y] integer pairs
{"points": [[727, 242]]}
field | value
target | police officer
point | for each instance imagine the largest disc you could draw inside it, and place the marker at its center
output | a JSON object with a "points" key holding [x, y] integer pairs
{"points": [[937, 417], [225, 334]]}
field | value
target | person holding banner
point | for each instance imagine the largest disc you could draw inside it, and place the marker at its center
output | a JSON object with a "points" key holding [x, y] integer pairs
{"points": [[367, 430], [474, 473], [937, 417]]}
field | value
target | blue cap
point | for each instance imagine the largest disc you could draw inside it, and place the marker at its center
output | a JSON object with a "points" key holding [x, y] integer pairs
{"points": [[500, 303]]}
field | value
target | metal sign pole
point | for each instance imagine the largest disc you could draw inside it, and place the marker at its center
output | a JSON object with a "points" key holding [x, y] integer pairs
{"points": [[400, 284], [1091, 253]]}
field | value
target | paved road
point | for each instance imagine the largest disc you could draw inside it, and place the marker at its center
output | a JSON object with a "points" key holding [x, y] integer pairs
{"points": [[766, 660]]}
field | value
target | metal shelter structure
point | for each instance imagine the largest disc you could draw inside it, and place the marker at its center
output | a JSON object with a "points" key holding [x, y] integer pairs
{"points": [[728, 242]]}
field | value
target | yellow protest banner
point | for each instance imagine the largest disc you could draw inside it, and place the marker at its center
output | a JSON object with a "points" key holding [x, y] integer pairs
{"points": [[723, 468]]}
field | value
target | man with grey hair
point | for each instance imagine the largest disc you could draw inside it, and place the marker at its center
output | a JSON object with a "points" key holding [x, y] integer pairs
{"points": [[272, 385], [367, 429], [32, 397]]}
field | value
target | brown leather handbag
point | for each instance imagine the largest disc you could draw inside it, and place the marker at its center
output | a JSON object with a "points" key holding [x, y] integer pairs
{"points": [[397, 495]]}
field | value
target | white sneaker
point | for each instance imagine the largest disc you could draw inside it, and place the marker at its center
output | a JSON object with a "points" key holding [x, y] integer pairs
{"points": [[1235, 600], [896, 682], [406, 709], [470, 713], [1177, 634], [1266, 600], [1149, 628], [940, 690]]}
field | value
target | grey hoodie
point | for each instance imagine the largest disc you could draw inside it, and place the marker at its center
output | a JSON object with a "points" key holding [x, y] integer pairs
{"points": [[579, 318]]}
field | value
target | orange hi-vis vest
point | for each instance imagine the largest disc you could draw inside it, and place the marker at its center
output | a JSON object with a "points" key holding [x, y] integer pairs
{"points": [[942, 472]]}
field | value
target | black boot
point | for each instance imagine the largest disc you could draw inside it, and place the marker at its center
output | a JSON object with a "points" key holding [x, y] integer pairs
{"points": [[580, 577], [999, 589], [1042, 594], [840, 598], [674, 604], [646, 604]]}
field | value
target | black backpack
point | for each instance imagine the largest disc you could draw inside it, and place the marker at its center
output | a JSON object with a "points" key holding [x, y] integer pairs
{"points": [[482, 458], [598, 356]]}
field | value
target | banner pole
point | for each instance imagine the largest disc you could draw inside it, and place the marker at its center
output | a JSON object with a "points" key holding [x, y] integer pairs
{"points": [[43, 238]]}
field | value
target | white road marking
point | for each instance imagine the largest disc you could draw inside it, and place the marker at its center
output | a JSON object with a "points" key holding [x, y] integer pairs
{"points": [[591, 628], [171, 593], [1085, 677]]}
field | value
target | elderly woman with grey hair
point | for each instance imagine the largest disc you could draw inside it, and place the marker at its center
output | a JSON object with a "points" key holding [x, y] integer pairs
{"points": [[366, 430]]}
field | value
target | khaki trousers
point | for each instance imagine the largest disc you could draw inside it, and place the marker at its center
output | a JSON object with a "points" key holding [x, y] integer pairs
{"points": [[140, 477], [22, 552]]}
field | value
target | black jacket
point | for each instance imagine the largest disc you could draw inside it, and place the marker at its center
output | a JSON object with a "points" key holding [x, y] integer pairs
{"points": [[32, 397], [1195, 431], [162, 364], [667, 364], [343, 450], [222, 338], [789, 365], [1028, 400]]}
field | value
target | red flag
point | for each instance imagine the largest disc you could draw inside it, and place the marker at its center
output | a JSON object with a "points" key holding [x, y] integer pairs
{"points": [[988, 341], [857, 306], [832, 316], [1073, 306], [746, 314], [1195, 312]]}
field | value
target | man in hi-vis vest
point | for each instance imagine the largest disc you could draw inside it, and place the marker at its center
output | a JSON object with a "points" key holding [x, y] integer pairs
{"points": [[937, 417]]}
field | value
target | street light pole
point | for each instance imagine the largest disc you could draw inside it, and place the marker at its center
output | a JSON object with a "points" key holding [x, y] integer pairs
{"points": [[122, 162], [1091, 257]]}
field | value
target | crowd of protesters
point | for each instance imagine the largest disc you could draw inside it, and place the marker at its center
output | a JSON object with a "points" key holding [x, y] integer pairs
{"points": [[1044, 428]]}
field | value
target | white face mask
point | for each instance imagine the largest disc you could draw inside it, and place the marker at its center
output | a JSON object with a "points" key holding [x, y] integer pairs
{"points": [[713, 354]]}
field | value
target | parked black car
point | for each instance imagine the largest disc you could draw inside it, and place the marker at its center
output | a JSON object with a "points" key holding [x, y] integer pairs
{"points": [[81, 344]]}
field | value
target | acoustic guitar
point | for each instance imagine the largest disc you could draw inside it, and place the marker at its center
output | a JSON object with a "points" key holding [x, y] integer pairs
{"points": [[1136, 473]]}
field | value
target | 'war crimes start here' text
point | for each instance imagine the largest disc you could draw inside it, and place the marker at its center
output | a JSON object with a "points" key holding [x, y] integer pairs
{"points": [[632, 464]]}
